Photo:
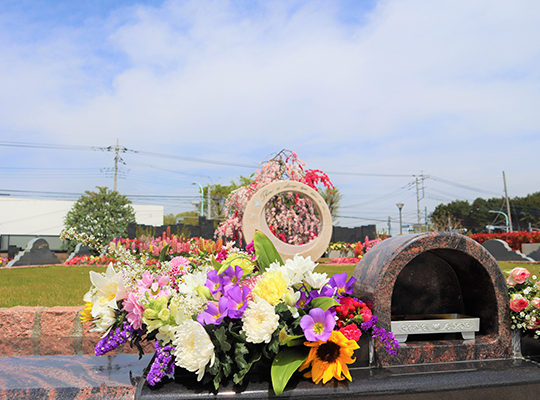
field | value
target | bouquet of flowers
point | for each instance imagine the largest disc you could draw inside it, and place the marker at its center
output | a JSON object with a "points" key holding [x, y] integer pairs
{"points": [[524, 291], [221, 315]]}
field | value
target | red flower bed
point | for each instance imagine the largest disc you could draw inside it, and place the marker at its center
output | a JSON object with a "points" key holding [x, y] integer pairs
{"points": [[514, 239]]}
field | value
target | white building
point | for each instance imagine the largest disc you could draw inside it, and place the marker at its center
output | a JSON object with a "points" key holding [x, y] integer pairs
{"points": [[22, 219]]}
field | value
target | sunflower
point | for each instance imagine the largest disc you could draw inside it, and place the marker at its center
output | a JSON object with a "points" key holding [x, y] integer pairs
{"points": [[329, 359]]}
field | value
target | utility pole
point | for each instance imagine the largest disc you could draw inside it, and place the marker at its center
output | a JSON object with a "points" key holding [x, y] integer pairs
{"points": [[117, 149], [507, 203], [418, 198], [116, 157], [209, 207], [389, 227]]}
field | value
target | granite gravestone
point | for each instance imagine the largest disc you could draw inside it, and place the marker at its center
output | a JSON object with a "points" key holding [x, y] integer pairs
{"points": [[500, 250], [436, 273], [37, 252]]}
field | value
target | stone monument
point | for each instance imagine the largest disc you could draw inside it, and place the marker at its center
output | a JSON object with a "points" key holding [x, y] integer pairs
{"points": [[37, 252], [254, 219]]}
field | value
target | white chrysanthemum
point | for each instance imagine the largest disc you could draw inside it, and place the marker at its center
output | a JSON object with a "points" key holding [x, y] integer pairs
{"points": [[259, 321], [294, 270], [316, 280], [194, 349]]}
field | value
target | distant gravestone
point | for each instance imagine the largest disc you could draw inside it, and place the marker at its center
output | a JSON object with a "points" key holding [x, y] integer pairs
{"points": [[37, 252], [500, 250], [535, 255], [80, 250]]}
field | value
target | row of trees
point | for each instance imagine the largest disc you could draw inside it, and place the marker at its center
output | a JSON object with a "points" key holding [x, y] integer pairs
{"points": [[475, 216]]}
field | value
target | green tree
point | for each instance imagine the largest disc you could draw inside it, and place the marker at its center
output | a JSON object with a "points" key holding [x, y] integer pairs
{"points": [[333, 199], [105, 214]]}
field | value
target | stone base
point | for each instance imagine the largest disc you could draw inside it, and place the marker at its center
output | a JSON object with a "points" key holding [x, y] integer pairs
{"points": [[475, 380]]}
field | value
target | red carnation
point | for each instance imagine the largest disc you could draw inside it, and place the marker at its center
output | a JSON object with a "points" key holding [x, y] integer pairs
{"points": [[351, 332]]}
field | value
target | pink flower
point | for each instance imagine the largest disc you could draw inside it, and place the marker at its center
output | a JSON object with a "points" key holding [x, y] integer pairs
{"points": [[351, 332], [536, 302], [135, 311], [518, 305], [518, 276]]}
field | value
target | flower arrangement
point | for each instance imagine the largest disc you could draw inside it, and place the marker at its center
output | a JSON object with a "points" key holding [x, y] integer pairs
{"points": [[290, 216], [219, 318], [524, 291]]}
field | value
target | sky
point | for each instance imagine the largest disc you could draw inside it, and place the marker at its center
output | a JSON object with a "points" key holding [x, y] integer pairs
{"points": [[377, 94]]}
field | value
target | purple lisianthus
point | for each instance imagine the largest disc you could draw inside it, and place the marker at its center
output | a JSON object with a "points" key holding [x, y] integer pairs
{"points": [[214, 314], [214, 282], [341, 285], [237, 300], [231, 276], [303, 300], [318, 325]]}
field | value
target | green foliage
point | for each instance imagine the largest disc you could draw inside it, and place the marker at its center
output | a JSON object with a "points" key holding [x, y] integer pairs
{"points": [[287, 361], [186, 218], [475, 216], [266, 251], [333, 199], [105, 214]]}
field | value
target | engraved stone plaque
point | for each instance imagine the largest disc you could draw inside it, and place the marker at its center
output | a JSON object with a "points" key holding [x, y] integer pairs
{"points": [[402, 326]]}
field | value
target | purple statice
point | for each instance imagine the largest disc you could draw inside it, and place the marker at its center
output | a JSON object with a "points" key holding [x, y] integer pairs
{"points": [[365, 326], [388, 339], [114, 338], [163, 364]]}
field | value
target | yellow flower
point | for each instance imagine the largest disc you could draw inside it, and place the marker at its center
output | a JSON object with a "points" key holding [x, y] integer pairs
{"points": [[271, 287], [86, 314], [329, 359]]}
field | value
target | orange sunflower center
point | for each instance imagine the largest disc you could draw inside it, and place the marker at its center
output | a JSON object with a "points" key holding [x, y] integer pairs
{"points": [[328, 352]]}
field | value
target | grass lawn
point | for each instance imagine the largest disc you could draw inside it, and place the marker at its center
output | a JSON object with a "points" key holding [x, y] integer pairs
{"points": [[48, 286], [65, 286]]}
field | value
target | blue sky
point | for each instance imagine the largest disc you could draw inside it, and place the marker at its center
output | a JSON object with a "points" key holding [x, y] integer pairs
{"points": [[375, 93]]}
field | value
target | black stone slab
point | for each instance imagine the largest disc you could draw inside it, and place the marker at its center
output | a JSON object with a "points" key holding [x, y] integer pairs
{"points": [[37, 252], [493, 379], [500, 250]]}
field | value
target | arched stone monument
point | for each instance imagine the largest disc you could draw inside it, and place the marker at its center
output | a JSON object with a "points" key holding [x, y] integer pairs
{"points": [[254, 219]]}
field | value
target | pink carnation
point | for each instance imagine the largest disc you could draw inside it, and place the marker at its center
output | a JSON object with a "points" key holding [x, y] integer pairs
{"points": [[135, 311], [351, 332]]}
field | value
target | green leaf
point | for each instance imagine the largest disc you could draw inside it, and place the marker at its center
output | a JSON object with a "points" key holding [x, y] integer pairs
{"points": [[287, 361], [323, 302], [221, 337], [164, 253], [266, 251], [285, 338]]}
